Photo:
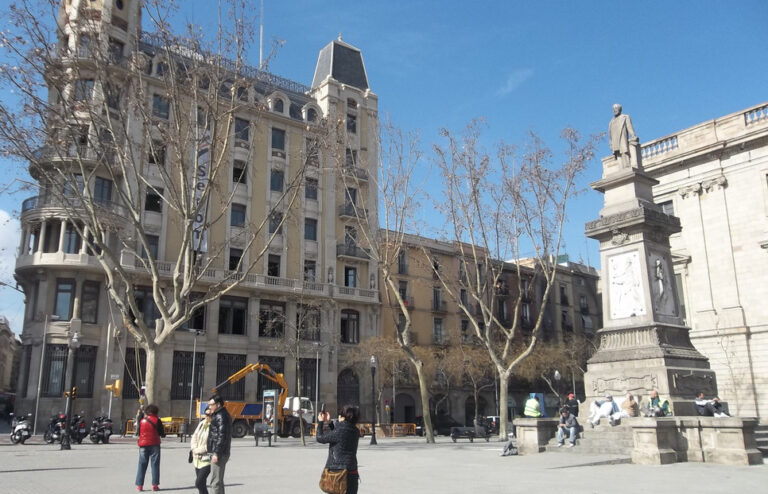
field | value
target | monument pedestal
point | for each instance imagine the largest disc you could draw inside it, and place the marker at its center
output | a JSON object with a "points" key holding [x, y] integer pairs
{"points": [[644, 344]]}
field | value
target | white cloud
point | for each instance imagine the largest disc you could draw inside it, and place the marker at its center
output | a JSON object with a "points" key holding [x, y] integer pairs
{"points": [[515, 80], [11, 301]]}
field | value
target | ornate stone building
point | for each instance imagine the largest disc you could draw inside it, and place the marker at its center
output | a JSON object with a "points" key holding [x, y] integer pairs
{"points": [[315, 263], [714, 177]]}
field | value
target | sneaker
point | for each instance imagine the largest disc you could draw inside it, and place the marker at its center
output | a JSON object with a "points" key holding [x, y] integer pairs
{"points": [[559, 445], [155, 487], [139, 488], [570, 445]]}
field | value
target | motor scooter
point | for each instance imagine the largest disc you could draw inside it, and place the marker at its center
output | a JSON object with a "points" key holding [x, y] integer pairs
{"points": [[101, 429], [21, 429], [77, 430], [55, 430]]}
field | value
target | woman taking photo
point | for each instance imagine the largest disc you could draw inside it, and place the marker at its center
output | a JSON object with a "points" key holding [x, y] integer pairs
{"points": [[201, 460], [341, 437]]}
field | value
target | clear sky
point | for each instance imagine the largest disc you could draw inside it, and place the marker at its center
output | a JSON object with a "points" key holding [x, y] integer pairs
{"points": [[539, 65]]}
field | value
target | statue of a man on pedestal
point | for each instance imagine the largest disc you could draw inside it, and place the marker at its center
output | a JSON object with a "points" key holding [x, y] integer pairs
{"points": [[620, 129]]}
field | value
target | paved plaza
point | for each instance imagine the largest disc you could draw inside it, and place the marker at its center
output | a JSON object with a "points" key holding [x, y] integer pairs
{"points": [[394, 465]]}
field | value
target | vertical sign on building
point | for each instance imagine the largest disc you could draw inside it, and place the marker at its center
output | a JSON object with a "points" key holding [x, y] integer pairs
{"points": [[203, 165]]}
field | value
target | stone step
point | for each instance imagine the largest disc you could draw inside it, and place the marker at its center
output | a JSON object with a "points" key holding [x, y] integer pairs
{"points": [[603, 439], [761, 438]]}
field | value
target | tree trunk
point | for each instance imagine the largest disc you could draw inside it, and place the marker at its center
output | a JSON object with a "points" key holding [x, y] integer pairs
{"points": [[150, 375], [503, 392], [425, 411]]}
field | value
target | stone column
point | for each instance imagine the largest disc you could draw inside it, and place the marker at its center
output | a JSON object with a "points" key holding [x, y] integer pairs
{"points": [[41, 242], [62, 232]]}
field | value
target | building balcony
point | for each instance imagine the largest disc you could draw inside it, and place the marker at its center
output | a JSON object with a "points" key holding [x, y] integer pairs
{"points": [[355, 173], [75, 154], [352, 211], [407, 301], [352, 251], [36, 260], [39, 206], [439, 340], [130, 262], [439, 306]]}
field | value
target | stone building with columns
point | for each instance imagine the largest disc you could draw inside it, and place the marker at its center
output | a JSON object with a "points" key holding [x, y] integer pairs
{"points": [[314, 265], [714, 177]]}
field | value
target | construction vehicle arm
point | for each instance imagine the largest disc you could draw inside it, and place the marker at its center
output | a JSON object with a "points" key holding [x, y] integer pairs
{"points": [[262, 369]]}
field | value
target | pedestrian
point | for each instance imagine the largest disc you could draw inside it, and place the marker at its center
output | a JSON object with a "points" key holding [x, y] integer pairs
{"points": [[532, 407], [569, 425], [572, 404], [342, 438], [201, 459], [149, 429], [219, 441]]}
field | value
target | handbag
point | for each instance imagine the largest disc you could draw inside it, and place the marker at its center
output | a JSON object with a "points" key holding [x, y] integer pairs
{"points": [[189, 460], [334, 482]]}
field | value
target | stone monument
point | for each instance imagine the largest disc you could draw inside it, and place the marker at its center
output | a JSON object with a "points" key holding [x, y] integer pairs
{"points": [[644, 343]]}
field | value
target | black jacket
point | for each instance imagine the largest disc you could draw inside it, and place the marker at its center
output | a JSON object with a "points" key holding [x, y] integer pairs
{"points": [[220, 433], [342, 439]]}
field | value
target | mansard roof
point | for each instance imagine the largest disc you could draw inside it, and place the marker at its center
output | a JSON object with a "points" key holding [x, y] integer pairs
{"points": [[343, 62]]}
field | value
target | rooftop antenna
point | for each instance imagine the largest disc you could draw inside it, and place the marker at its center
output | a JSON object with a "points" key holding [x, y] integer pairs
{"points": [[261, 36]]}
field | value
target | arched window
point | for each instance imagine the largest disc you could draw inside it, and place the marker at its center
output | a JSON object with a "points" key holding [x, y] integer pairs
{"points": [[350, 326], [348, 389], [277, 106], [311, 115]]}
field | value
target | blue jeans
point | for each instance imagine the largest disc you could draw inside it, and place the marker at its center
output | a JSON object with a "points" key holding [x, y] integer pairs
{"points": [[561, 434], [148, 455]]}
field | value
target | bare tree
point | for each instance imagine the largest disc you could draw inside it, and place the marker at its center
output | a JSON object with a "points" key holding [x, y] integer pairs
{"points": [[384, 236], [497, 207], [555, 357], [113, 130]]}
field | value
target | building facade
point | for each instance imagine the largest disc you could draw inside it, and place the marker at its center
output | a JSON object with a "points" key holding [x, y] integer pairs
{"points": [[9, 354], [714, 177], [314, 294], [439, 324]]}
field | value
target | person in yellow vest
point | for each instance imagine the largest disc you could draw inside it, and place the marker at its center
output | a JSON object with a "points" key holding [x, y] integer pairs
{"points": [[532, 407]]}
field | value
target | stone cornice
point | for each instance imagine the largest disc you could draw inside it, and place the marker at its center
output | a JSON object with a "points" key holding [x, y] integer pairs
{"points": [[641, 215]]}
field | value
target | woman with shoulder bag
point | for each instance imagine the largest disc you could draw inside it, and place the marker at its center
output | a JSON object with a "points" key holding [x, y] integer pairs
{"points": [[342, 438], [198, 453]]}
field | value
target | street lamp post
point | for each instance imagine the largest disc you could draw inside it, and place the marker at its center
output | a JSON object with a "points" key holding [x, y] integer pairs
{"points": [[197, 333], [373, 399], [74, 344], [51, 317], [317, 378]]}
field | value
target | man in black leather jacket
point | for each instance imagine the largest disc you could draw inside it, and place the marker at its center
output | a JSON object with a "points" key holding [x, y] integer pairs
{"points": [[219, 441]]}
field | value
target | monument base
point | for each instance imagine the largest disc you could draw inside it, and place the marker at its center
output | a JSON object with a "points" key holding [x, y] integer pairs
{"points": [[641, 359]]}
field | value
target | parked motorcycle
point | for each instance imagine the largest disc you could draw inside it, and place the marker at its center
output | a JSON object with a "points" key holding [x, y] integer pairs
{"points": [[21, 429], [77, 429], [55, 429], [101, 429]]}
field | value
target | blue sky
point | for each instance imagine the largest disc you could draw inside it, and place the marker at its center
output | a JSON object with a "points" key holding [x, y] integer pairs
{"points": [[521, 65]]}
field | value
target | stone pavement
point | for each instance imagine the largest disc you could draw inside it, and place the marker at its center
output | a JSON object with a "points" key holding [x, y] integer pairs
{"points": [[394, 465]]}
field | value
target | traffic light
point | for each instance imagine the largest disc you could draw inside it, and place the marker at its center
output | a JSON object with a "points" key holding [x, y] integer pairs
{"points": [[115, 388], [74, 392]]}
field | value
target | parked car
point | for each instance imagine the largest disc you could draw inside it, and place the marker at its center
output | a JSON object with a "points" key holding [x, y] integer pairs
{"points": [[441, 424]]}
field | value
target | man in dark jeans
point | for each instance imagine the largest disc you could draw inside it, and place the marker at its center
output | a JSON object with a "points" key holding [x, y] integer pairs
{"points": [[219, 441]]}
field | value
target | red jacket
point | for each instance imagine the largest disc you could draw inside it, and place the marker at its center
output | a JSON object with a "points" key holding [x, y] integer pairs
{"points": [[150, 431]]}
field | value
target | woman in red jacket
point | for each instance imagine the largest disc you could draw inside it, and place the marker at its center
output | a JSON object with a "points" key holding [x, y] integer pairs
{"points": [[150, 430]]}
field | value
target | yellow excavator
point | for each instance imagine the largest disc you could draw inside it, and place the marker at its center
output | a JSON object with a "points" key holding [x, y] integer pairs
{"points": [[289, 413]]}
